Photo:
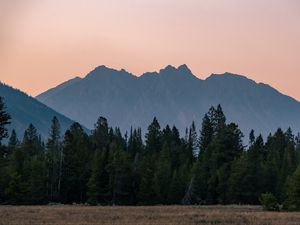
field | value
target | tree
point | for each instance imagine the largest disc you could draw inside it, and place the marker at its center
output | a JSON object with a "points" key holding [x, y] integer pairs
{"points": [[246, 181], [76, 165], [251, 137], [54, 160], [98, 184], [94, 183], [192, 140], [13, 141], [162, 175], [153, 137], [206, 134], [135, 143], [120, 175], [275, 151], [201, 168], [4, 120], [32, 143], [293, 192], [100, 134], [15, 189]]}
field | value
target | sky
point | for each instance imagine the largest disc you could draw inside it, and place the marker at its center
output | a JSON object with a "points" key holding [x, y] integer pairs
{"points": [[46, 42]]}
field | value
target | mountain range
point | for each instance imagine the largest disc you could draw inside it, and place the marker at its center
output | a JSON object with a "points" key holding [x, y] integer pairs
{"points": [[24, 110], [173, 95]]}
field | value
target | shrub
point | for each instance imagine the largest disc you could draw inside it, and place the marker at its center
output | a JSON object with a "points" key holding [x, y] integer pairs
{"points": [[269, 202]]}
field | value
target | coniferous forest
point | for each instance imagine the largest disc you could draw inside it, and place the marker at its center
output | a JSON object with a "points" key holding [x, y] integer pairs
{"points": [[107, 167]]}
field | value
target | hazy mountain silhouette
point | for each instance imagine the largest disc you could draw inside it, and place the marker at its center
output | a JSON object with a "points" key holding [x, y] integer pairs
{"points": [[174, 96], [25, 110]]}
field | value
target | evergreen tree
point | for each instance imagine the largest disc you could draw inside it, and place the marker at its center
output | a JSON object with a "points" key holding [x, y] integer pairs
{"points": [[13, 142], [32, 144], [100, 134], [98, 183], [146, 192], [201, 168], [247, 177], [135, 143], [153, 137], [206, 134], [54, 160], [293, 192], [120, 175], [275, 147], [4, 120], [192, 140], [162, 176], [75, 167], [251, 137]]}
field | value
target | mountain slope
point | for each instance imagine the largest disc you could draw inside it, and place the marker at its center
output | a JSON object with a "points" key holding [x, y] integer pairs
{"points": [[174, 96], [25, 110]]}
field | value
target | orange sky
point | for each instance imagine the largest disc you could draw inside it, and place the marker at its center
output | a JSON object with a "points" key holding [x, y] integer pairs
{"points": [[45, 42]]}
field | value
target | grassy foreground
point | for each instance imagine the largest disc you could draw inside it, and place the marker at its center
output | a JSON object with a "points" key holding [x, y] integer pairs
{"points": [[87, 215]]}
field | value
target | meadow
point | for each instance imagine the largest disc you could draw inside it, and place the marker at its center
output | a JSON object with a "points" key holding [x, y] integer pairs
{"points": [[144, 215]]}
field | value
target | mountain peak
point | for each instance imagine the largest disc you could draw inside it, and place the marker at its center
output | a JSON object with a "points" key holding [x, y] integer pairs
{"points": [[182, 70], [168, 69], [106, 71], [103, 68], [226, 76]]}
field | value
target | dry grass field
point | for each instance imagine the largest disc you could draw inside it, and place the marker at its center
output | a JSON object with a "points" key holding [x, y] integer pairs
{"points": [[166, 215]]}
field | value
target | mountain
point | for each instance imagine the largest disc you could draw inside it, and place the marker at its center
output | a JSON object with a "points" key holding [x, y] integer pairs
{"points": [[25, 110], [174, 96]]}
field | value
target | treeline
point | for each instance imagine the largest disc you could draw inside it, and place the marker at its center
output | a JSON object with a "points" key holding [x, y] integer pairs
{"points": [[109, 168]]}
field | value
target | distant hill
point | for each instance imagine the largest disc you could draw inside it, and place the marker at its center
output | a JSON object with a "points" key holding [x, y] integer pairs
{"points": [[174, 96], [25, 110]]}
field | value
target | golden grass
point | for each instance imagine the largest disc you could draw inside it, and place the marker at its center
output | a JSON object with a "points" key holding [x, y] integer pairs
{"points": [[144, 215]]}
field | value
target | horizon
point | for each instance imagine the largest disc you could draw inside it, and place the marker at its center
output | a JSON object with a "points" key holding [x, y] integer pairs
{"points": [[43, 45]]}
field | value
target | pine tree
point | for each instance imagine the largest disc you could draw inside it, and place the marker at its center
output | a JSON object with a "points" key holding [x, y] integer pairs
{"points": [[13, 142], [4, 120], [135, 143], [162, 176], [76, 165], [94, 183], [206, 134], [120, 175], [192, 140], [98, 184], [31, 143], [4, 151], [100, 134], [275, 148], [251, 137], [54, 160], [153, 137], [246, 182], [146, 189], [293, 192]]}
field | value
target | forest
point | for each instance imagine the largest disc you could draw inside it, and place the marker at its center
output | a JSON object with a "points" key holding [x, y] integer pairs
{"points": [[162, 168]]}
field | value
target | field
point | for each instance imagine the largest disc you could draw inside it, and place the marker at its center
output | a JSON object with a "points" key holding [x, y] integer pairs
{"points": [[166, 215]]}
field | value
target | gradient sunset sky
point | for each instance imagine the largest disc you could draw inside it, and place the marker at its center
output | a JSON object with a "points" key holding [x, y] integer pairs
{"points": [[45, 42]]}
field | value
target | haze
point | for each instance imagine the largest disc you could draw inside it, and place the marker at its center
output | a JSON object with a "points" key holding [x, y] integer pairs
{"points": [[45, 42]]}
